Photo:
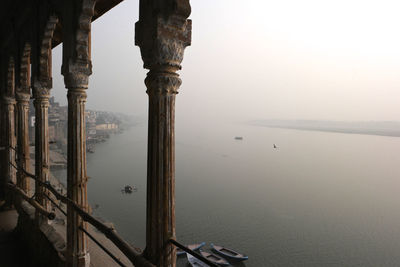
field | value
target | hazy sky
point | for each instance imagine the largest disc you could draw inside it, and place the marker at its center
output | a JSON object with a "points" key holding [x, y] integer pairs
{"points": [[259, 59]]}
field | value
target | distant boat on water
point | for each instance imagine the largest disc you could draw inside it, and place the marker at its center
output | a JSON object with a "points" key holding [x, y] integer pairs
{"points": [[275, 146], [238, 138], [129, 189]]}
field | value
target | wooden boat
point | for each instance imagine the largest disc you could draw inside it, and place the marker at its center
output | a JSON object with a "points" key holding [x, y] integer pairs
{"points": [[214, 258], [229, 253], [195, 262], [194, 247], [238, 138]]}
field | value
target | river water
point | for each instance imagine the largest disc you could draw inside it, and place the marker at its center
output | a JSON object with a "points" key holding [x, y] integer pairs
{"points": [[318, 199]]}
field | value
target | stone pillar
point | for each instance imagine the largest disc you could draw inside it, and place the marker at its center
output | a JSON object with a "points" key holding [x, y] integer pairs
{"points": [[42, 157], [162, 38], [8, 109], [2, 152], [23, 140], [77, 83]]}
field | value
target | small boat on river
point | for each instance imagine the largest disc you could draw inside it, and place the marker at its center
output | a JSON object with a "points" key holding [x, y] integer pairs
{"points": [[129, 189], [214, 258], [229, 253], [193, 247], [195, 262], [238, 138]]}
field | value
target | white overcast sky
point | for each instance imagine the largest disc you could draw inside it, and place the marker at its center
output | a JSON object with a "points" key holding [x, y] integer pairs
{"points": [[259, 59]]}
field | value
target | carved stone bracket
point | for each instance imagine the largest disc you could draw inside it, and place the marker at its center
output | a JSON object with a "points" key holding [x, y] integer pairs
{"points": [[25, 70], [11, 78], [83, 31], [45, 52]]}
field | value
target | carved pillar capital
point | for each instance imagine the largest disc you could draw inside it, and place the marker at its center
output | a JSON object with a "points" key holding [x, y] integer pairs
{"points": [[162, 84], [9, 101], [23, 97], [41, 103], [41, 93], [76, 96], [76, 73], [162, 42]]}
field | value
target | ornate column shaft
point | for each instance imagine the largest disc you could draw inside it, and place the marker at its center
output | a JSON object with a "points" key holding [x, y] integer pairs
{"points": [[162, 39], [9, 136], [3, 151], [76, 69], [76, 83], [42, 157], [23, 140]]}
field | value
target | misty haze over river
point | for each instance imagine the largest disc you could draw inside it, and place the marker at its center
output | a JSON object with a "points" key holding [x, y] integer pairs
{"points": [[319, 199]]}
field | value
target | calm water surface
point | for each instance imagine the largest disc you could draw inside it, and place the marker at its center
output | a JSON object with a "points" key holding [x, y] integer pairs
{"points": [[319, 199]]}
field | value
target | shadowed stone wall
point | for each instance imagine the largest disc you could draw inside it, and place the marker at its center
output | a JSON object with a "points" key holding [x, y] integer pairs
{"points": [[43, 244]]}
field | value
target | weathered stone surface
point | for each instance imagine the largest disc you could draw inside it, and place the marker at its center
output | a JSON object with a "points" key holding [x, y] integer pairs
{"points": [[162, 33], [162, 41], [25, 71]]}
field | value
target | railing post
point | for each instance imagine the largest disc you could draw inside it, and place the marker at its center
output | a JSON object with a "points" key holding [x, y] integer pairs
{"points": [[42, 158], [23, 140], [162, 35]]}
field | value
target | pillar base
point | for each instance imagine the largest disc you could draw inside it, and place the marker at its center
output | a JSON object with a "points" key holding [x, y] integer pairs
{"points": [[84, 260]]}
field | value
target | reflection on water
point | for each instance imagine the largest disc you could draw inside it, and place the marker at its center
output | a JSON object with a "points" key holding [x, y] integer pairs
{"points": [[318, 199]]}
